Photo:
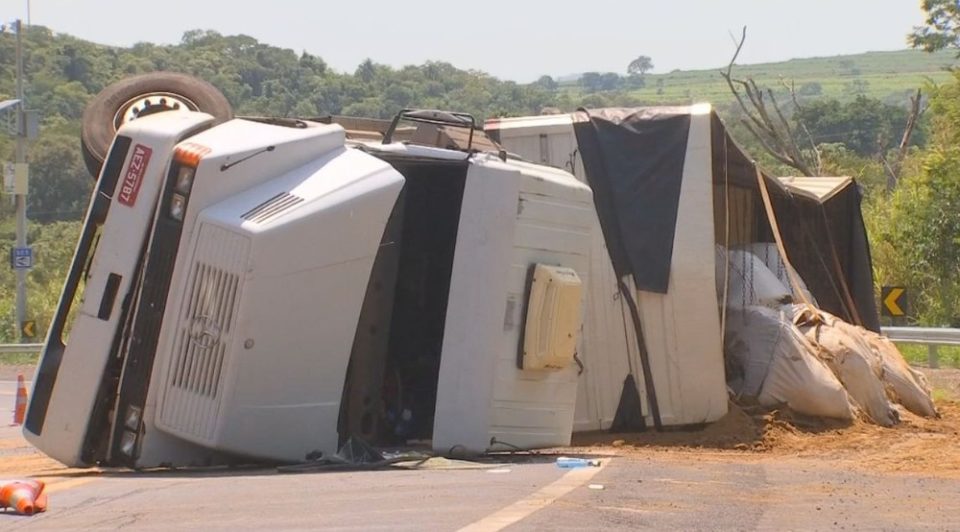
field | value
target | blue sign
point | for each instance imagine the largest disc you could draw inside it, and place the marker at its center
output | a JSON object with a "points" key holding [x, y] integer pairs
{"points": [[21, 258]]}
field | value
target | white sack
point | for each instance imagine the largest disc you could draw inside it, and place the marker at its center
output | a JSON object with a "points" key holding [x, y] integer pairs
{"points": [[903, 384], [769, 254], [854, 362], [751, 282], [775, 363]]}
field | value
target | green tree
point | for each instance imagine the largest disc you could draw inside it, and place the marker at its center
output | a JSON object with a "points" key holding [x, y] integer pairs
{"points": [[641, 65], [53, 246], [865, 125], [810, 89], [546, 82], [636, 81], [941, 28], [610, 81], [916, 233], [591, 82], [59, 184]]}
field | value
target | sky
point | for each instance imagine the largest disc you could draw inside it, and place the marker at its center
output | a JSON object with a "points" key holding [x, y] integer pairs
{"points": [[513, 40]]}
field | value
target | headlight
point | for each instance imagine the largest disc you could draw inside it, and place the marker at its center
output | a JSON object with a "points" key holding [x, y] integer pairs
{"points": [[184, 179], [178, 207], [132, 420], [128, 443]]}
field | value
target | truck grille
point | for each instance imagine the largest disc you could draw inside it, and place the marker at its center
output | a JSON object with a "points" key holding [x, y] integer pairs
{"points": [[193, 390], [272, 208]]}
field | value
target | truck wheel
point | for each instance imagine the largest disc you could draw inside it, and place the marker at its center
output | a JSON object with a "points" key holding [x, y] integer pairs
{"points": [[143, 95]]}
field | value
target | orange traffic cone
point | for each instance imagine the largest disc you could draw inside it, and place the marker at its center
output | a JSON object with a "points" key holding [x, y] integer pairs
{"points": [[20, 407], [24, 496]]}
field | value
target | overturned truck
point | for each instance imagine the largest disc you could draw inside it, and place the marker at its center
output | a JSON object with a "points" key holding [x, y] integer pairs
{"points": [[718, 264], [265, 288]]}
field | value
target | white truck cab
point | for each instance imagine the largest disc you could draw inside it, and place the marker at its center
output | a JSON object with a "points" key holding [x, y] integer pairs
{"points": [[262, 290]]}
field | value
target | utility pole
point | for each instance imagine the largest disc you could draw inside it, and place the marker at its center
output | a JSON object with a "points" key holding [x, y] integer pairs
{"points": [[21, 198]]}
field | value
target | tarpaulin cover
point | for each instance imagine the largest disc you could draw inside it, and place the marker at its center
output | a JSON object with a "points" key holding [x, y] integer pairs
{"points": [[634, 162], [825, 238], [827, 244]]}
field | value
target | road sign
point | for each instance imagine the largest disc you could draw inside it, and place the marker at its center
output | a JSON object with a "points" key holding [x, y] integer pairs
{"points": [[28, 329], [15, 178], [21, 258], [9, 177], [893, 301]]}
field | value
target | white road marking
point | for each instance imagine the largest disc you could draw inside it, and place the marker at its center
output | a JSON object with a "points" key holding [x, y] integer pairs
{"points": [[536, 501]]}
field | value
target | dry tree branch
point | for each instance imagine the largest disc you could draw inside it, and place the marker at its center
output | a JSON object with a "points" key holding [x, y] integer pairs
{"points": [[818, 159], [893, 170], [763, 142], [774, 133], [915, 113], [753, 118], [727, 75], [793, 147], [892, 175]]}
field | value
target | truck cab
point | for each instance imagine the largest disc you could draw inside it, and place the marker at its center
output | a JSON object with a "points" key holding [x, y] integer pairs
{"points": [[264, 289]]}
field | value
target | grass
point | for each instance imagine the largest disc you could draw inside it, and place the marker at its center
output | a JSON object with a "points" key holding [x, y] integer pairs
{"points": [[889, 76], [948, 356], [940, 395], [18, 359]]}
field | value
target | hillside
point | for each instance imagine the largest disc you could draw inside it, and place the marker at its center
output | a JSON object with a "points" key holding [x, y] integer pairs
{"points": [[64, 72], [887, 76]]}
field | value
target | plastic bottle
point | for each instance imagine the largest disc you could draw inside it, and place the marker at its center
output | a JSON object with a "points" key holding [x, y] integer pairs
{"points": [[566, 462]]}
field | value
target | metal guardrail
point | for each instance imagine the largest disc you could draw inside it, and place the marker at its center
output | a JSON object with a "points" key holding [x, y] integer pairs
{"points": [[20, 348], [929, 336], [932, 337]]}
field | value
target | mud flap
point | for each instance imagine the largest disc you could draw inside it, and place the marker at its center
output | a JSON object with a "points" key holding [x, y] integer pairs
{"points": [[629, 417]]}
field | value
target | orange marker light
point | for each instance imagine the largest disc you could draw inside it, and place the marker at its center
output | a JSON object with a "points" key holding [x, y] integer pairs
{"points": [[189, 153], [20, 406]]}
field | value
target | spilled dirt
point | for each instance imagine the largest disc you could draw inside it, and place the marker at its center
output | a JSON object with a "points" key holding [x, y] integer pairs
{"points": [[929, 447], [33, 464], [917, 445]]}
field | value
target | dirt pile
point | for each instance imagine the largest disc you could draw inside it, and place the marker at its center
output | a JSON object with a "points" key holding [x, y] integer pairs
{"points": [[916, 445]]}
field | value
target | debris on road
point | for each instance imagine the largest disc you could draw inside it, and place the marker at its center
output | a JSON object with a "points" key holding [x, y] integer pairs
{"points": [[566, 462], [354, 455], [917, 445], [25, 497]]}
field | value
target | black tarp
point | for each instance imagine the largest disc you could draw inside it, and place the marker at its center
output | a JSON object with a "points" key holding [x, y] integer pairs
{"points": [[827, 244], [826, 241], [633, 160]]}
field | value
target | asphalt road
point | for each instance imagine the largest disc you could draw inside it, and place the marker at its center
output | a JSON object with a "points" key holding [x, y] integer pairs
{"points": [[635, 494], [659, 491]]}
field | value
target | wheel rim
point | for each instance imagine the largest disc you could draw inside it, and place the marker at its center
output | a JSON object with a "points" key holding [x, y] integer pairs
{"points": [[151, 103]]}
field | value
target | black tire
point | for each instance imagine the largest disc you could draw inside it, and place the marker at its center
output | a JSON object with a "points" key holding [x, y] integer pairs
{"points": [[105, 112]]}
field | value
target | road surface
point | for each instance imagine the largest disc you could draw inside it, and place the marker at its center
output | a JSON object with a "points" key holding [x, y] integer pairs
{"points": [[657, 491]]}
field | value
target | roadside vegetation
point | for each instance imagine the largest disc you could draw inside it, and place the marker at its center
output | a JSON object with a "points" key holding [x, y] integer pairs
{"points": [[889, 77], [855, 108]]}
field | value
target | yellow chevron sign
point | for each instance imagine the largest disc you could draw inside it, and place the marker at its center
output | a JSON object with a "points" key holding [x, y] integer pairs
{"points": [[28, 329], [893, 301]]}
